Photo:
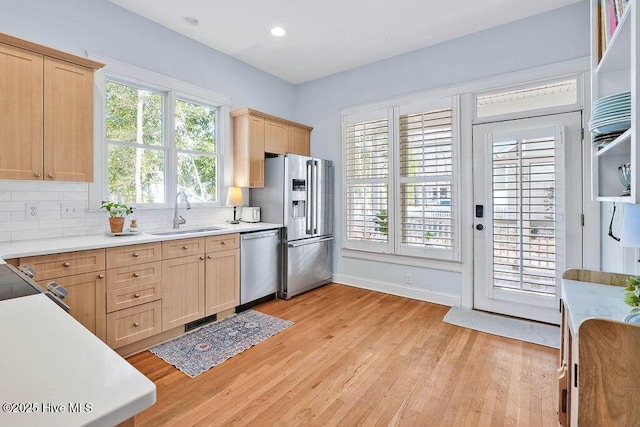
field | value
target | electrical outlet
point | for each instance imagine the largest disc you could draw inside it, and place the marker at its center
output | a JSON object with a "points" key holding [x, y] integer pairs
{"points": [[33, 211], [70, 209], [408, 279]]}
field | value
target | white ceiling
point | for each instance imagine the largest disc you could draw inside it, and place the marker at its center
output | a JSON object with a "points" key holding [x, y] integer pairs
{"points": [[328, 36]]}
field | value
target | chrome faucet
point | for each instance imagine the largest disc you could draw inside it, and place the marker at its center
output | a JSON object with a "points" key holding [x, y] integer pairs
{"points": [[178, 220]]}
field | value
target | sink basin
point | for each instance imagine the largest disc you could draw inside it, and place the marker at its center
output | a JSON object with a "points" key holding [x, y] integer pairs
{"points": [[187, 231]]}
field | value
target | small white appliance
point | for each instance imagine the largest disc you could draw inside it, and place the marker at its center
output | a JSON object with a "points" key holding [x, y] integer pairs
{"points": [[250, 214]]}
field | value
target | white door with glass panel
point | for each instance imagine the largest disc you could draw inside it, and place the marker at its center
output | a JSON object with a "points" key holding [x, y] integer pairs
{"points": [[528, 213]]}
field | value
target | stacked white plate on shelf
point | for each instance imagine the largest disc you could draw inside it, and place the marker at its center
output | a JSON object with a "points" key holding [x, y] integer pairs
{"points": [[611, 114]]}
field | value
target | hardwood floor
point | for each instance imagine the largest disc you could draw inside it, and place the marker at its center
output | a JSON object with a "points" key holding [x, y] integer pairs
{"points": [[356, 357]]}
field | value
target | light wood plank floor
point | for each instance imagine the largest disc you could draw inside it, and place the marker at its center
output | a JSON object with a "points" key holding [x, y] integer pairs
{"points": [[359, 358]]}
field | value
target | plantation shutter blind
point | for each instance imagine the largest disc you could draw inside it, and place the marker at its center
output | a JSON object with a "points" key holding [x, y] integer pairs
{"points": [[367, 175], [426, 184]]}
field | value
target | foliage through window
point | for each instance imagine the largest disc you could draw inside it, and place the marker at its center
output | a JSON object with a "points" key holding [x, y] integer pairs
{"points": [[140, 151], [400, 181]]}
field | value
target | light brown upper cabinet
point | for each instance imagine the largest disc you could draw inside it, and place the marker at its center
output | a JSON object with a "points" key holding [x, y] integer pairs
{"points": [[46, 113], [256, 133]]}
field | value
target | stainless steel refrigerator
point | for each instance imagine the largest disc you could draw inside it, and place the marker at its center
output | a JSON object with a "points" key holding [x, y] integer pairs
{"points": [[298, 192]]}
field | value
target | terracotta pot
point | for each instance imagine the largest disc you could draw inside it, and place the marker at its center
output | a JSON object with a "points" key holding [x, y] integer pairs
{"points": [[116, 224]]}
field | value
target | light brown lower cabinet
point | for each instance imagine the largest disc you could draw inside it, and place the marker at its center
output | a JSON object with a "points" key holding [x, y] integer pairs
{"points": [[86, 298], [183, 283], [223, 279], [133, 324]]}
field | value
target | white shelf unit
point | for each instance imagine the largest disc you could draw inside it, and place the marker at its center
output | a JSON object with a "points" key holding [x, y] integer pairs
{"points": [[616, 72]]}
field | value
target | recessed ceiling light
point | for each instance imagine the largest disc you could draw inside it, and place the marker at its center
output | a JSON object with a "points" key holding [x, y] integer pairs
{"points": [[278, 31], [190, 20]]}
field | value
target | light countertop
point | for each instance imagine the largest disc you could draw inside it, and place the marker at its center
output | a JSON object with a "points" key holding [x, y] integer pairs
{"points": [[586, 300], [50, 362], [79, 243]]}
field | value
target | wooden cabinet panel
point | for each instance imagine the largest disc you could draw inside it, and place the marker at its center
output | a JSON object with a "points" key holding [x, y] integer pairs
{"points": [[248, 151], [223, 242], [86, 298], [133, 324], [256, 152], [21, 114], [66, 264], [299, 141], [68, 122], [182, 247], [131, 296], [133, 254], [223, 281], [183, 283], [275, 137], [131, 275]]}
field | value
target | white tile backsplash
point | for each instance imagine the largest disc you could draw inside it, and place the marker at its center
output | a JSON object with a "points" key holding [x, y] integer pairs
{"points": [[14, 196]]}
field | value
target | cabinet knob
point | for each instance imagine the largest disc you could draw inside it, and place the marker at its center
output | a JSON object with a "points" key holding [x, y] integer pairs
{"points": [[185, 247], [136, 254], [37, 174], [202, 257], [50, 175], [136, 324], [209, 256], [67, 264], [136, 295], [100, 276], [136, 274], [223, 243]]}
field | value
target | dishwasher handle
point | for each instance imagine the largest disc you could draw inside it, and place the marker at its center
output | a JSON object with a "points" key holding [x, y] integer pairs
{"points": [[305, 242], [254, 236]]}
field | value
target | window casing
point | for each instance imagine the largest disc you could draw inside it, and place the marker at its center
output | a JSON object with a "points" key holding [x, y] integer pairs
{"points": [[400, 192], [159, 141]]}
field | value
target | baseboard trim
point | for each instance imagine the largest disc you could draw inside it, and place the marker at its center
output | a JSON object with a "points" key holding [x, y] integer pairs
{"points": [[401, 291]]}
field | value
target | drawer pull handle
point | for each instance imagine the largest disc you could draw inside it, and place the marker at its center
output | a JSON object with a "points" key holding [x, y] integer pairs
{"points": [[136, 324], [185, 247], [136, 254], [223, 243], [67, 264], [136, 274], [100, 276], [37, 174], [136, 295], [209, 256], [50, 175], [201, 257]]}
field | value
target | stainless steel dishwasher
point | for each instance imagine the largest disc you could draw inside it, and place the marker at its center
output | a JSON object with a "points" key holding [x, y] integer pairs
{"points": [[259, 265]]}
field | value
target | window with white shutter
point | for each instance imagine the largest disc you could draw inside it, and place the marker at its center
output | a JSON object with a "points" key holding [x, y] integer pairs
{"points": [[426, 183], [400, 188], [367, 184]]}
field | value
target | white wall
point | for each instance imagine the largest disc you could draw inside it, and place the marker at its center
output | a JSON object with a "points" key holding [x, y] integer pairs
{"points": [[544, 39], [98, 26]]}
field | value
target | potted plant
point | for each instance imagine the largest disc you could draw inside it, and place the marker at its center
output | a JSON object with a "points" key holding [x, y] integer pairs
{"points": [[632, 293], [117, 212]]}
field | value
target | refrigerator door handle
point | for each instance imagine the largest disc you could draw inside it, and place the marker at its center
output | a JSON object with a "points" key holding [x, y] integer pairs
{"points": [[315, 197], [309, 196], [305, 242]]}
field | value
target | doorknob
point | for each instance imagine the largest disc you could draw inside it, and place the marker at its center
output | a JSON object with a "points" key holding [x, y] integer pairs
{"points": [[480, 227]]}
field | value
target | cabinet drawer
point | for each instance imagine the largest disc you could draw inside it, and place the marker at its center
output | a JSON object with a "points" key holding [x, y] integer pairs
{"points": [[223, 242], [133, 324], [133, 295], [66, 264], [133, 254], [131, 275], [182, 247]]}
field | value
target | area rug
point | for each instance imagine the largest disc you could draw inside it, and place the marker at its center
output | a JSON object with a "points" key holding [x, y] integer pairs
{"points": [[523, 330], [204, 348]]}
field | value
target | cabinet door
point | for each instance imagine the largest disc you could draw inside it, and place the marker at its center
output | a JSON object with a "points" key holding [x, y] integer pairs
{"points": [[21, 113], [133, 324], [223, 281], [299, 140], [66, 264], [256, 152], [275, 137], [68, 122], [86, 298], [182, 291]]}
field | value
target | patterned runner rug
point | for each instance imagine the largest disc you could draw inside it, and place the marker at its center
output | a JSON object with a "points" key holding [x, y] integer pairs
{"points": [[509, 327], [204, 348]]}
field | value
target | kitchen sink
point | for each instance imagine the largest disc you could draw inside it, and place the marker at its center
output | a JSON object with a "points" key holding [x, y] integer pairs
{"points": [[187, 231]]}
